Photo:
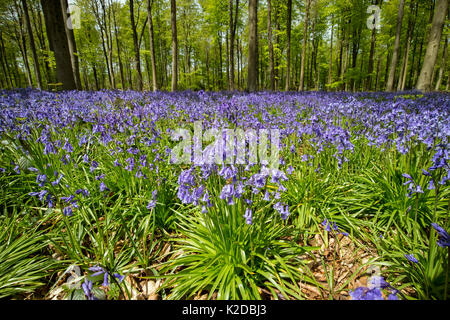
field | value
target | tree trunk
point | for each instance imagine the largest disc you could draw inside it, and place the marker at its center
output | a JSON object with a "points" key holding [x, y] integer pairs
{"points": [[270, 44], [330, 67], [288, 45], [305, 37], [56, 33], [173, 22], [371, 59], [443, 66], [72, 46], [233, 24], [116, 35], [220, 82], [252, 76], [137, 56], [424, 81], [152, 46], [390, 83], [37, 71]]}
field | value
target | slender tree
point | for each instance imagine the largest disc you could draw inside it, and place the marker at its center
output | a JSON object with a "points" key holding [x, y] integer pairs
{"points": [[152, 44], [173, 22], [305, 39], [252, 76], [137, 57], [443, 65], [270, 45], [288, 45], [393, 66], [37, 71], [72, 44], [233, 25]]}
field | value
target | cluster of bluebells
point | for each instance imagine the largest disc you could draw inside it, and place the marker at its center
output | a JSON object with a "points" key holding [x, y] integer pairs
{"points": [[88, 285], [332, 227], [412, 186], [375, 290]]}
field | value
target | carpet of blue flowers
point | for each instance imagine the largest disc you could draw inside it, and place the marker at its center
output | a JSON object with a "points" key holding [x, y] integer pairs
{"points": [[92, 207]]}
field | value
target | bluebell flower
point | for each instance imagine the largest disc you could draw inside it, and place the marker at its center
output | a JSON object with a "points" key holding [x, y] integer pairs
{"points": [[411, 258], [282, 209], [58, 178], [84, 192], [103, 187], [227, 193], [41, 179], [67, 211], [119, 277], [94, 165], [363, 293], [98, 271], [444, 237], [248, 216], [87, 289]]}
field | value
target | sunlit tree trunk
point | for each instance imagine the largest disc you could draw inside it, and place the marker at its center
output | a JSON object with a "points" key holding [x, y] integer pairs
{"points": [[305, 37], [270, 44], [152, 45], [252, 77], [173, 22], [137, 56], [424, 81], [393, 66], [37, 71], [288, 45], [443, 66]]}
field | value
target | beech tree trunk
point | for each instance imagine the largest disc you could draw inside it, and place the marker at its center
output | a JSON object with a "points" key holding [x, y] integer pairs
{"points": [[72, 46], [152, 45], [173, 22], [37, 71], [443, 66], [252, 76], [305, 37], [137, 56], [390, 82], [440, 12], [56, 33], [233, 24], [270, 44], [288, 45]]}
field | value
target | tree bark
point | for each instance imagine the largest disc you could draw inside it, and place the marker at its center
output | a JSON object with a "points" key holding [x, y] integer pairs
{"points": [[305, 37], [443, 65], [270, 45], [56, 33], [72, 46], [116, 35], [137, 56], [233, 24], [173, 22], [424, 81], [330, 67], [288, 45], [37, 71], [252, 76], [152, 45], [390, 83]]}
